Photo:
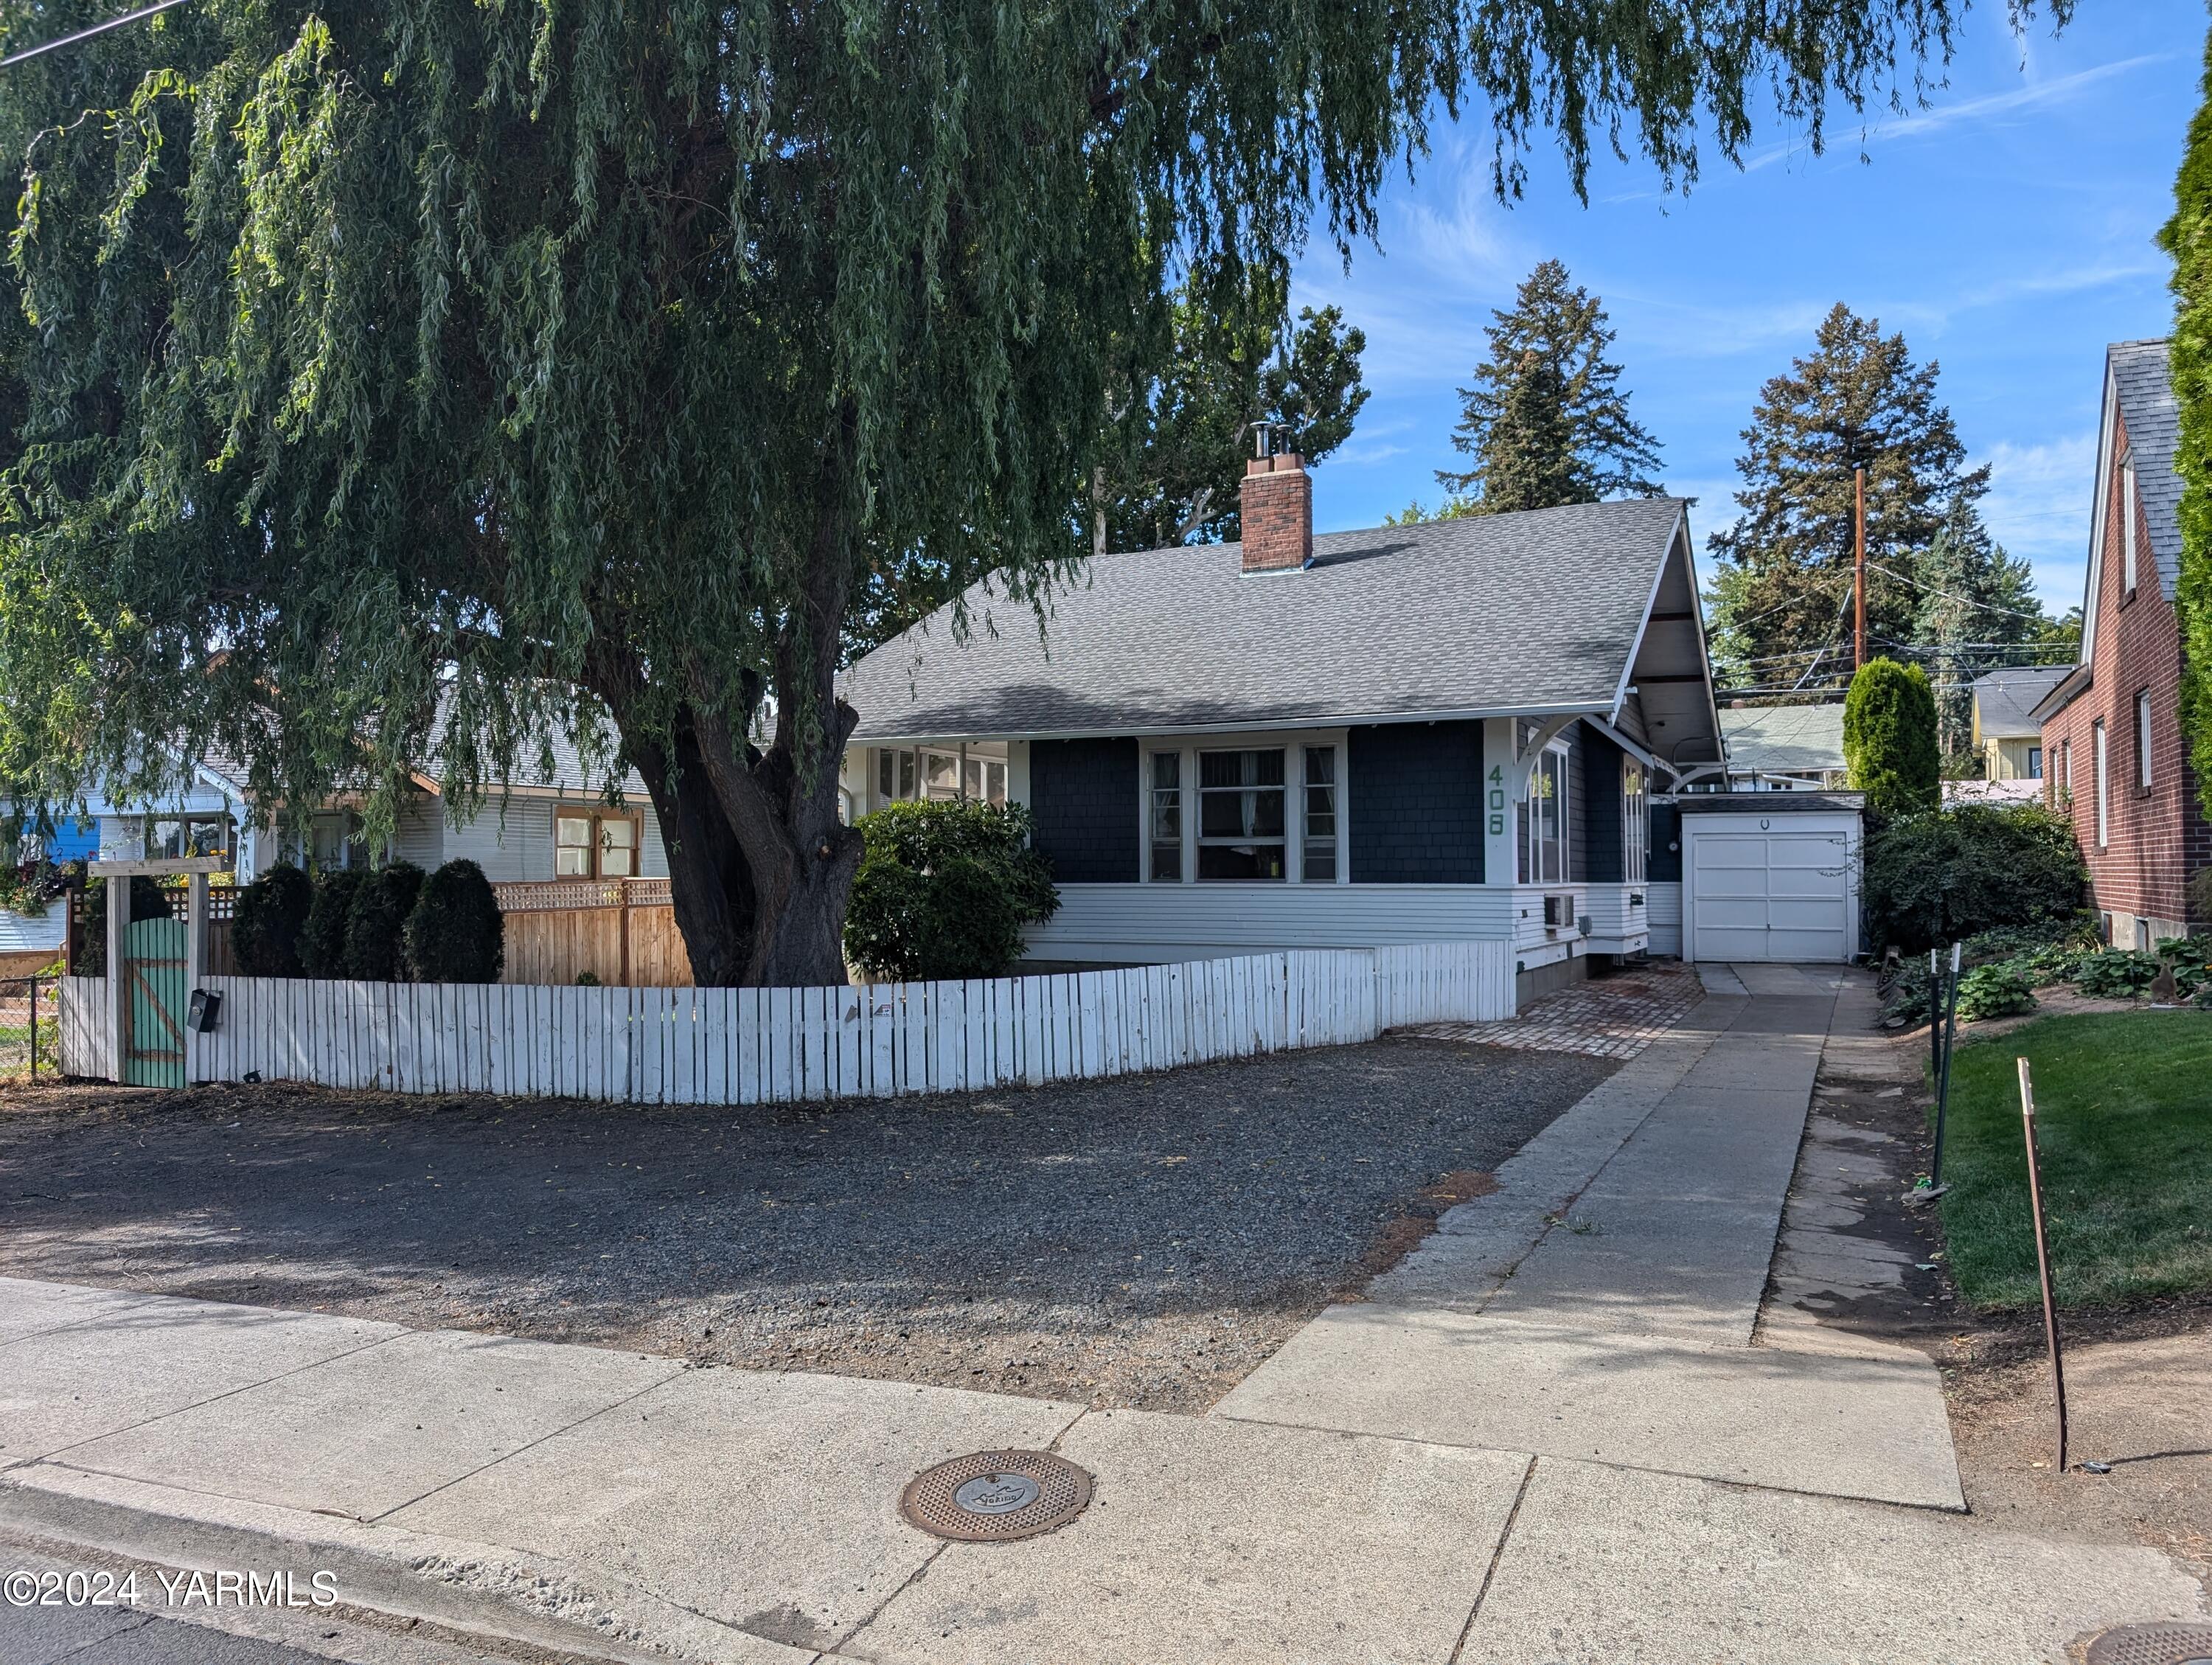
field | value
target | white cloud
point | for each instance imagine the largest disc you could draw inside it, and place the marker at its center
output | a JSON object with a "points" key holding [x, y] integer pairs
{"points": [[1356, 455], [1883, 125], [2039, 507]]}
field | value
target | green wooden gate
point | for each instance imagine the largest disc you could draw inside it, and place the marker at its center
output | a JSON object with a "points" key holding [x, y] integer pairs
{"points": [[154, 1047]]}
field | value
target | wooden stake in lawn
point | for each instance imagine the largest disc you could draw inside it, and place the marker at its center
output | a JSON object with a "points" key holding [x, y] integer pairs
{"points": [[2042, 1258]]}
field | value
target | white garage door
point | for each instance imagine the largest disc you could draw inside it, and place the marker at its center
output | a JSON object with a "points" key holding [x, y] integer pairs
{"points": [[1769, 888]]}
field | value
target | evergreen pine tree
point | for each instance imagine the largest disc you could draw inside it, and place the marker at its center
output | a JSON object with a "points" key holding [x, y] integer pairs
{"points": [[1977, 612], [1181, 441], [1783, 571], [1546, 420]]}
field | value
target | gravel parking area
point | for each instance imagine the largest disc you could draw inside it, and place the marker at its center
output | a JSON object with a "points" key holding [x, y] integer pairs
{"points": [[1144, 1242]]}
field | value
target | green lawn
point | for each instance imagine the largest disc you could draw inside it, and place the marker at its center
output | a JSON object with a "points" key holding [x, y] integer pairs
{"points": [[2124, 1118]]}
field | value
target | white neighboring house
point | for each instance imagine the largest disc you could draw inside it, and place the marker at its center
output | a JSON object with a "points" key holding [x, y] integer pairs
{"points": [[535, 829], [1451, 731]]}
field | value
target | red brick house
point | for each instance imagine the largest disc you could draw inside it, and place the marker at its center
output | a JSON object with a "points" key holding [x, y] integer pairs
{"points": [[2113, 757]]}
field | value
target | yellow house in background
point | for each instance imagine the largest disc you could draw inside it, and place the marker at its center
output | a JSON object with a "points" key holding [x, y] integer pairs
{"points": [[2007, 736]]}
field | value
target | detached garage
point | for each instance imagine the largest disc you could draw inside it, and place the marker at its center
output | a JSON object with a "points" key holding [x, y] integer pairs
{"points": [[1769, 876]]}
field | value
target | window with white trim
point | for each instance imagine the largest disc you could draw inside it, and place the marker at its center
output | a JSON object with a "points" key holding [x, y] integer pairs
{"points": [[2035, 763], [2128, 522], [2096, 746], [2142, 739], [1544, 821], [896, 779], [590, 845], [1635, 820], [333, 842], [1242, 832], [1163, 817], [940, 775], [185, 837], [1317, 841]]}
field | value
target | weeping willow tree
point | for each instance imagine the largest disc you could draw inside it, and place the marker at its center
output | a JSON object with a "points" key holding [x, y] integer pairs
{"points": [[415, 383]]}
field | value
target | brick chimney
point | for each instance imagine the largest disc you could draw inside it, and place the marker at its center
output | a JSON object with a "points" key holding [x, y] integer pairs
{"points": [[1277, 501]]}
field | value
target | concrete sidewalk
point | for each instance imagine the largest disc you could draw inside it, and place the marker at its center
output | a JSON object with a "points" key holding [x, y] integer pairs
{"points": [[1619, 1328], [1415, 1479]]}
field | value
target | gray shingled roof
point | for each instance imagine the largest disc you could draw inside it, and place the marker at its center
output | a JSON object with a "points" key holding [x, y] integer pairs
{"points": [[2152, 418], [1784, 738], [1533, 612], [2006, 700]]}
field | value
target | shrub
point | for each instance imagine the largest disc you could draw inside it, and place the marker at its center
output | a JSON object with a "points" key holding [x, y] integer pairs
{"points": [[454, 934], [322, 938], [2191, 958], [1936, 877], [2118, 974], [2058, 941], [944, 891], [376, 923], [1996, 990], [273, 912], [1889, 738], [147, 901]]}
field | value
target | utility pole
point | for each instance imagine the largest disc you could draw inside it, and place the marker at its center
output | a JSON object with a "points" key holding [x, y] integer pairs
{"points": [[1858, 564]]}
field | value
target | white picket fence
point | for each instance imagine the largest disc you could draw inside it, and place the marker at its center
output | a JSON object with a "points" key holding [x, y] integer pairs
{"points": [[746, 1046]]}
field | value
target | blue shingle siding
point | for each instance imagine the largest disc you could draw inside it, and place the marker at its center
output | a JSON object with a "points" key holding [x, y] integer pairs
{"points": [[1666, 858], [1084, 795], [1414, 798], [1596, 857]]}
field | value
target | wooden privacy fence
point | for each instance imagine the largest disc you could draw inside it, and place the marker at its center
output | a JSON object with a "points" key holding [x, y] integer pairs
{"points": [[744, 1046], [622, 930]]}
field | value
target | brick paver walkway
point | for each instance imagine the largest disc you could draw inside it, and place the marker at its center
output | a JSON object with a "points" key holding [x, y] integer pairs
{"points": [[1611, 1016]]}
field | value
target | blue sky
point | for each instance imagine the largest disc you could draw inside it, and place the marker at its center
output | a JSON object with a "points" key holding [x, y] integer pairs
{"points": [[2007, 230]]}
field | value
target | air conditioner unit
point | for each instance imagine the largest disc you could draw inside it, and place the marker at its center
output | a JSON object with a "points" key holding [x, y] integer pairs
{"points": [[1559, 911]]}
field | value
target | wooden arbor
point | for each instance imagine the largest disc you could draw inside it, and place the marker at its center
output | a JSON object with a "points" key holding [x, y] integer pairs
{"points": [[150, 977]]}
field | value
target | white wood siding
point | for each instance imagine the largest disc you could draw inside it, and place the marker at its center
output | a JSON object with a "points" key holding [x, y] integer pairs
{"points": [[19, 933], [517, 844], [1147, 923], [419, 835], [1663, 911]]}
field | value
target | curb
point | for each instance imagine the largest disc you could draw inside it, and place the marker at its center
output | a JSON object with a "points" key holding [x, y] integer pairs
{"points": [[408, 1577]]}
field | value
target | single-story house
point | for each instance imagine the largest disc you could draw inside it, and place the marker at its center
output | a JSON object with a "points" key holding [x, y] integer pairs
{"points": [[2008, 737], [2114, 759], [560, 827], [1783, 748], [1458, 730]]}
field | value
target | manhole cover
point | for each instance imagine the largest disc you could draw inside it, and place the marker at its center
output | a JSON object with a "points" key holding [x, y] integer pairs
{"points": [[989, 1497], [2153, 1644]]}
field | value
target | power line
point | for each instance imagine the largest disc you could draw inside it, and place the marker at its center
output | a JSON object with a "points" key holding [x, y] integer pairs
{"points": [[1795, 601], [144, 12], [1833, 631], [1947, 595]]}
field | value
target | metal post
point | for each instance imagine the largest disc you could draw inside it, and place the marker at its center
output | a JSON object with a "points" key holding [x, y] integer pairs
{"points": [[34, 1028], [1943, 1074], [2042, 1258]]}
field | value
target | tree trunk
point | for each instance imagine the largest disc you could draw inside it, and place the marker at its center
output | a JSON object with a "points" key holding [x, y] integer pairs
{"points": [[759, 864], [707, 876]]}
